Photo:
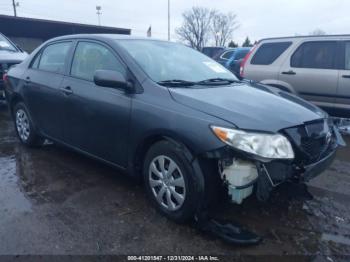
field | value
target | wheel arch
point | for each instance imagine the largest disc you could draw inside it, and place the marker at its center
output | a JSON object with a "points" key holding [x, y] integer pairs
{"points": [[141, 149], [15, 99]]}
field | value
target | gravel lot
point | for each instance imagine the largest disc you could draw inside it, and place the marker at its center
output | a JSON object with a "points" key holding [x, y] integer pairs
{"points": [[54, 201]]}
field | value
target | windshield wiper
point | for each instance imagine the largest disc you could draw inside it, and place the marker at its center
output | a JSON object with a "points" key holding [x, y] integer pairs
{"points": [[217, 81], [210, 81], [176, 82]]}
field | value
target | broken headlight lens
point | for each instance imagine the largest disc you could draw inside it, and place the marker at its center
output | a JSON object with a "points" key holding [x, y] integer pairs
{"points": [[274, 146]]}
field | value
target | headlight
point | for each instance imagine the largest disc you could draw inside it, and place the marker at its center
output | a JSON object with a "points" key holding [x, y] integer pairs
{"points": [[265, 145]]}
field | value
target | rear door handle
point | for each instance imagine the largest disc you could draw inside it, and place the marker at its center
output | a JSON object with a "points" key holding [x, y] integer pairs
{"points": [[66, 90], [290, 72], [346, 76]]}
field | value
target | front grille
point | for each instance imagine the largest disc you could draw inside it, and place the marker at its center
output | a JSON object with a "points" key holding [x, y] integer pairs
{"points": [[314, 147], [311, 141]]}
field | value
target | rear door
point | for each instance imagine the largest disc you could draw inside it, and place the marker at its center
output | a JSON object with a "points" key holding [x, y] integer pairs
{"points": [[342, 104], [96, 118], [312, 72], [42, 94]]}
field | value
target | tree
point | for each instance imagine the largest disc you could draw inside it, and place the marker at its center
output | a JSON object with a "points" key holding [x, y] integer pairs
{"points": [[317, 32], [232, 44], [195, 28], [247, 42], [223, 26]]}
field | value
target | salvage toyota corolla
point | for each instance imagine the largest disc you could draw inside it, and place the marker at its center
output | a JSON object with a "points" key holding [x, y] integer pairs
{"points": [[168, 114]]}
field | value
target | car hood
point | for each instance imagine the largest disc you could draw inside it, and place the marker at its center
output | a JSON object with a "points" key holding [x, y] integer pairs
{"points": [[250, 107], [8, 56]]}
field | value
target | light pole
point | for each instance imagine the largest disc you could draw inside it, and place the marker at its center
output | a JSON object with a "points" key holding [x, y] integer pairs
{"points": [[98, 12], [168, 20]]}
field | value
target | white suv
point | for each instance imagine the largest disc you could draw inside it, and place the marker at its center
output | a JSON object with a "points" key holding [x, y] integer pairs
{"points": [[316, 68]]}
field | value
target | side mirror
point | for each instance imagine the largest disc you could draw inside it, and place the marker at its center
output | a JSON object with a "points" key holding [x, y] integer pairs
{"points": [[113, 79]]}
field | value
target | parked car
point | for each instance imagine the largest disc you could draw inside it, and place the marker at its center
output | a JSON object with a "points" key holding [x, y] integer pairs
{"points": [[168, 114], [231, 58], [316, 68], [211, 51], [10, 55]]}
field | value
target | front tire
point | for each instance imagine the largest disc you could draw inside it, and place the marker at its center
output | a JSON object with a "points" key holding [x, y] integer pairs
{"points": [[24, 126], [170, 181]]}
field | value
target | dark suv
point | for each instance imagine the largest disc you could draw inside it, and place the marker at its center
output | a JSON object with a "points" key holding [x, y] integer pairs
{"points": [[10, 55], [168, 114]]}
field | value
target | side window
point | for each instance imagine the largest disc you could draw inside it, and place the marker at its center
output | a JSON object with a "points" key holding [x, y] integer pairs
{"points": [[320, 55], [227, 55], [53, 57], [269, 52], [89, 57], [347, 55]]}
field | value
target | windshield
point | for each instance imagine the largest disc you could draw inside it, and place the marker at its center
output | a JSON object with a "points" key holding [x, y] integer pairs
{"points": [[164, 61], [6, 45]]}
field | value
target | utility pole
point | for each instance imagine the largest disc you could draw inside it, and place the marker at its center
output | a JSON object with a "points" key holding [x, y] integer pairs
{"points": [[98, 12], [168, 20], [15, 5]]}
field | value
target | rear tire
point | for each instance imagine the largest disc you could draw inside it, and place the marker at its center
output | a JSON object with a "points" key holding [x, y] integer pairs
{"points": [[170, 181], [24, 126]]}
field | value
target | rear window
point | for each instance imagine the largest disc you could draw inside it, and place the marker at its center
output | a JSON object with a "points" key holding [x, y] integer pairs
{"points": [[269, 52], [320, 55], [211, 51]]}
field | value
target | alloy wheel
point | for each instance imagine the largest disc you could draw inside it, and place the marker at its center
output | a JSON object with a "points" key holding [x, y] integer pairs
{"points": [[22, 124]]}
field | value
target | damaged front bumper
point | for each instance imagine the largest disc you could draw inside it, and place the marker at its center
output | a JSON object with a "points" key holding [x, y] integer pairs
{"points": [[244, 173], [315, 169]]}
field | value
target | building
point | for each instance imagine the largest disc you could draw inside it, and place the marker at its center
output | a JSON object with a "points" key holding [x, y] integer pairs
{"points": [[28, 33]]}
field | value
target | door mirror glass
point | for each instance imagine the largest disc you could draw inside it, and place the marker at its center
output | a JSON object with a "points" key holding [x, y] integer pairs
{"points": [[109, 78]]}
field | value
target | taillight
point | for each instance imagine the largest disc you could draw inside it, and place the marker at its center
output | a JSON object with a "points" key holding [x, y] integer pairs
{"points": [[5, 77], [244, 61]]}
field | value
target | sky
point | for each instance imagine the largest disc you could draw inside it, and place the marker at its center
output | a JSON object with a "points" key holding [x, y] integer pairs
{"points": [[257, 18]]}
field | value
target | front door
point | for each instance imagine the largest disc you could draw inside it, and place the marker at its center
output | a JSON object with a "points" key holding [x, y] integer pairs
{"points": [[96, 118]]}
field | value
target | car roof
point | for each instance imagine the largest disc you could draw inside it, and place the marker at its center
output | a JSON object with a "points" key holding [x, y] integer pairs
{"points": [[103, 37], [317, 37]]}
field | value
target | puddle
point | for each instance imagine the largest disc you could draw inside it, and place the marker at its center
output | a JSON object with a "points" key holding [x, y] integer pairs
{"points": [[12, 199]]}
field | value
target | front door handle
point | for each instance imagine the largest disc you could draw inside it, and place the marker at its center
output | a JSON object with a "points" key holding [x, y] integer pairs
{"points": [[27, 81], [346, 76], [66, 90], [290, 72]]}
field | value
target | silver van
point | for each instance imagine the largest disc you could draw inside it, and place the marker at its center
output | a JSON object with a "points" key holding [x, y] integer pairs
{"points": [[316, 68]]}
